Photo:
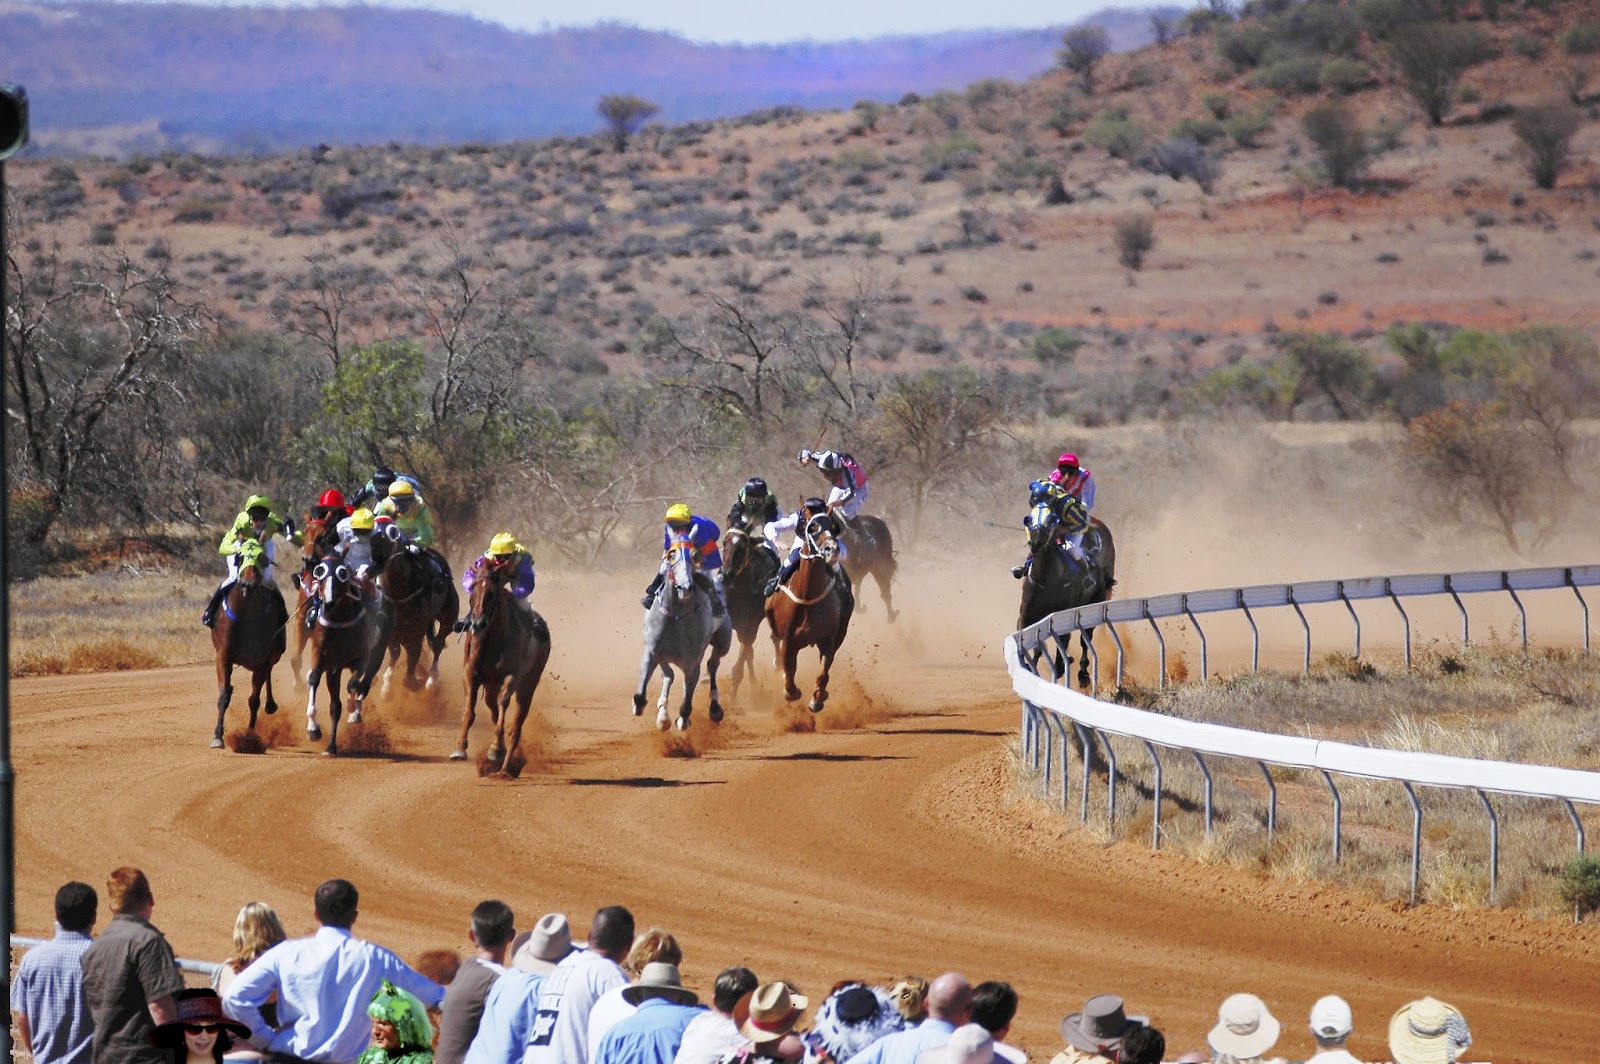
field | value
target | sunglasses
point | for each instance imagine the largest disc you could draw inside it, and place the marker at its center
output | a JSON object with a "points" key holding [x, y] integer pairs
{"points": [[202, 1028]]}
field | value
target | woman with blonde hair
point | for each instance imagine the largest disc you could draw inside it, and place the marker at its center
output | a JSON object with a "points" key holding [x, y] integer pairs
{"points": [[255, 930]]}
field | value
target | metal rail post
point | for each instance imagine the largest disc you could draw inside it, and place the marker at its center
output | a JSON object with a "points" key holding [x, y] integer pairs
{"points": [[1338, 818], [1117, 639], [1416, 838], [1255, 634], [1201, 632], [1388, 589], [1205, 770], [1155, 826], [1066, 755], [1354, 617], [1272, 800], [1111, 784], [1303, 624], [1049, 751], [1466, 636], [1584, 605], [1085, 737], [1505, 582], [1494, 847], [1161, 641], [1572, 811]]}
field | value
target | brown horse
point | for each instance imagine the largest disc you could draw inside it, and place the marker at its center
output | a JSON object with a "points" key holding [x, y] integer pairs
{"points": [[747, 564], [425, 607], [810, 610], [1053, 583], [249, 633], [507, 649], [319, 538], [875, 558], [350, 633]]}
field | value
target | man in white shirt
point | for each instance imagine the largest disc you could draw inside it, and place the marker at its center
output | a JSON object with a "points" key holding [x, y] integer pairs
{"points": [[1331, 1024], [324, 984], [711, 1034], [654, 946], [561, 1026]]}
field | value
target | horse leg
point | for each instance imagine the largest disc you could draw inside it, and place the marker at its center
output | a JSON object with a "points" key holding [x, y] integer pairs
{"points": [[334, 709], [883, 578], [272, 703], [439, 631], [819, 697], [791, 662], [467, 715], [313, 679], [691, 680], [224, 695], [258, 677], [711, 676], [496, 694], [662, 719], [413, 649], [527, 684], [1085, 637], [647, 666]]}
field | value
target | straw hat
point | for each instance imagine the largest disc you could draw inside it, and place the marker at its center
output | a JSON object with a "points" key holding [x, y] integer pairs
{"points": [[773, 1013], [659, 979], [1427, 1031], [1244, 1027]]}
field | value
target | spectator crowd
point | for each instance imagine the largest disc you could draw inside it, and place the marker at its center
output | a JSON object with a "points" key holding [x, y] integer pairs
{"points": [[543, 997]]}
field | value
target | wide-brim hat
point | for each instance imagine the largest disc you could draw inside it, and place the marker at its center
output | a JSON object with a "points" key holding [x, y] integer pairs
{"points": [[543, 947], [1244, 1027], [970, 1044], [1428, 1031], [774, 1011], [659, 979], [1100, 1025], [852, 1018], [200, 1005]]}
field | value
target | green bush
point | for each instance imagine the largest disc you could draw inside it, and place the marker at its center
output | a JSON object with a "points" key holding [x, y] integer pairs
{"points": [[1067, 113], [1246, 129], [1295, 76], [1243, 45], [1341, 145], [1202, 130], [1383, 18], [1344, 76], [1136, 235], [1328, 29], [1579, 885], [1052, 345], [1582, 39], [1118, 134], [1527, 45], [1220, 104], [1546, 131]]}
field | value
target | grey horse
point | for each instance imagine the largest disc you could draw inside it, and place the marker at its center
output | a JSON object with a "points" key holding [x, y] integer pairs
{"points": [[677, 631]]}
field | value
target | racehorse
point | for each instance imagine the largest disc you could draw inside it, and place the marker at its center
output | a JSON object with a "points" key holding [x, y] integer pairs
{"points": [[747, 565], [677, 631], [1053, 582], [875, 559], [810, 610], [351, 633], [424, 608], [319, 537], [248, 632], [506, 653]]}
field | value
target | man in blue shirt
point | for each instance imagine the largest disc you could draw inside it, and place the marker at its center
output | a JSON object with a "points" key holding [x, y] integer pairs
{"points": [[949, 1007], [653, 1033], [47, 1000], [324, 984]]}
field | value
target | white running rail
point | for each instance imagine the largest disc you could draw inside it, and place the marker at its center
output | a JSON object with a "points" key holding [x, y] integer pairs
{"points": [[1050, 708]]}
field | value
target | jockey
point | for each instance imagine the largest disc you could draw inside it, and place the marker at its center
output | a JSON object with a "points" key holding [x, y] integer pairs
{"points": [[1075, 480], [505, 557], [1074, 520], [755, 506], [702, 535], [410, 513], [813, 507], [355, 541], [377, 489], [848, 491], [255, 522], [330, 507]]}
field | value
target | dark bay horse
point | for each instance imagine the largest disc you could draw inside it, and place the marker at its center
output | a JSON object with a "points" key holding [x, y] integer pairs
{"points": [[747, 564], [809, 611], [1053, 582], [350, 633], [319, 537], [424, 607], [507, 649], [678, 629], [875, 559], [249, 633]]}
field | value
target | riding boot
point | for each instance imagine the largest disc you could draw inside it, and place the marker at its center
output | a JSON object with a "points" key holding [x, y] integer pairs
{"points": [[650, 592], [784, 573], [209, 616], [709, 586]]}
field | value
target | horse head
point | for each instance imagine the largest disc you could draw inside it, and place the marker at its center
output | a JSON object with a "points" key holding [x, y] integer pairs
{"points": [[334, 581], [738, 547], [680, 572], [1041, 523], [820, 541], [253, 563], [487, 594]]}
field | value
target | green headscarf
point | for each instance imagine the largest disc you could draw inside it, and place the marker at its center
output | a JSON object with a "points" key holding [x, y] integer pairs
{"points": [[408, 1015]]}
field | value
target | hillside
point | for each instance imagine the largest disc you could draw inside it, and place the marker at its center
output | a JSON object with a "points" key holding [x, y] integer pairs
{"points": [[114, 78]]}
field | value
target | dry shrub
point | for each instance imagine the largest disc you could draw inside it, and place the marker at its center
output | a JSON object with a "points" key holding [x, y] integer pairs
{"points": [[37, 663], [370, 738], [110, 655]]}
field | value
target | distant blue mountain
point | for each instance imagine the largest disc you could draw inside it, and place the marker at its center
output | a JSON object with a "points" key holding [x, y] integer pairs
{"points": [[145, 76]]}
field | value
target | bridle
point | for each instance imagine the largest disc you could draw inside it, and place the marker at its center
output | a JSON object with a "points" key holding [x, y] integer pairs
{"points": [[816, 544], [337, 576]]}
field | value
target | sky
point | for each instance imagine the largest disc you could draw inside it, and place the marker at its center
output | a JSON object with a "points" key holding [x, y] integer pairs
{"points": [[772, 21]]}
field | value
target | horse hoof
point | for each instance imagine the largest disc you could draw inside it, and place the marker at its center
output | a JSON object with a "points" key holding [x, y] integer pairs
{"points": [[216, 744], [355, 715], [792, 696], [314, 733], [638, 709], [683, 723], [330, 752], [814, 706], [663, 722], [458, 755], [892, 615], [716, 712]]}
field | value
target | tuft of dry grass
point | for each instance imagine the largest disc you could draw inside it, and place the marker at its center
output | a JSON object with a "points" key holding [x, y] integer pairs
{"points": [[68, 624]]}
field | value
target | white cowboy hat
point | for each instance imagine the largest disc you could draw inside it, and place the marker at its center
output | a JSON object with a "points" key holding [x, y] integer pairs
{"points": [[659, 979], [1427, 1031], [542, 949]]}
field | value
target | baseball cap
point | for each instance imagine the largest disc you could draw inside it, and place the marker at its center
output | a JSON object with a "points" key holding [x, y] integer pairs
{"points": [[1330, 1017]]}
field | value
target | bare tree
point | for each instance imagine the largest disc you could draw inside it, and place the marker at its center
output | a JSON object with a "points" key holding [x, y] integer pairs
{"points": [[830, 339], [1431, 57], [1083, 48], [1546, 131], [734, 354], [330, 304], [624, 114]]}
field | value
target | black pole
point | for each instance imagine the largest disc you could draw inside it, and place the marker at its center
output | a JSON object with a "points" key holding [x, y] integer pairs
{"points": [[8, 854]]}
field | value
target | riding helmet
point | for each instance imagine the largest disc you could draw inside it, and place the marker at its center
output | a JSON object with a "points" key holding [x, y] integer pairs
{"points": [[815, 505], [257, 502], [332, 499], [679, 514], [754, 488], [362, 520], [504, 544], [401, 487], [1067, 461]]}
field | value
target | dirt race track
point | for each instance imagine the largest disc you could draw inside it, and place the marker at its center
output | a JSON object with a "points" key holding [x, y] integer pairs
{"points": [[891, 841]]}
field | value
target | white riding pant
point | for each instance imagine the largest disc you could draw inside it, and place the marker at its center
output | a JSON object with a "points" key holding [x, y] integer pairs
{"points": [[853, 506], [1074, 545]]}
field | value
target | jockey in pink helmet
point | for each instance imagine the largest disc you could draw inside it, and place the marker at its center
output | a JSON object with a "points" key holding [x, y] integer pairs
{"points": [[1074, 479]]}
